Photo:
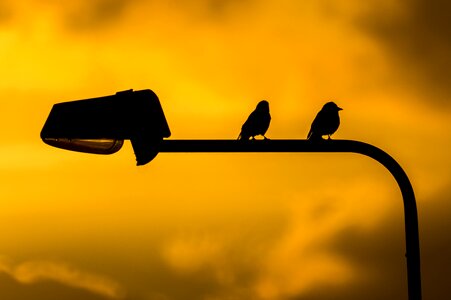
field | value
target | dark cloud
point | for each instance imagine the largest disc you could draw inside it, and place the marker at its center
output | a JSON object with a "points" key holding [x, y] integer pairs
{"points": [[379, 256], [435, 239], [212, 7], [418, 41], [6, 13], [220, 8], [96, 14]]}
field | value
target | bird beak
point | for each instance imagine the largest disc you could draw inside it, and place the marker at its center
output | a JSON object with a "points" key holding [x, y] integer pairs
{"points": [[339, 108]]}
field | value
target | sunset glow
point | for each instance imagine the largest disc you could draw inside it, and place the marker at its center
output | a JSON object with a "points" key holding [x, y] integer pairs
{"points": [[225, 226]]}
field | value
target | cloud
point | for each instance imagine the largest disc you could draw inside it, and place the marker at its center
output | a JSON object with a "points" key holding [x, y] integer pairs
{"points": [[82, 15], [74, 15], [435, 242], [100, 14], [6, 12], [32, 272], [339, 258], [298, 259], [210, 265], [302, 259], [377, 255], [416, 36], [189, 255]]}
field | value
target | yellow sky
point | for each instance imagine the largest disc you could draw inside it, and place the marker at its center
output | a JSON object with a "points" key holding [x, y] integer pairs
{"points": [[224, 226]]}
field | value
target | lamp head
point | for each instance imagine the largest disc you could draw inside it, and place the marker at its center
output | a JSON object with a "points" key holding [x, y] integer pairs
{"points": [[100, 125]]}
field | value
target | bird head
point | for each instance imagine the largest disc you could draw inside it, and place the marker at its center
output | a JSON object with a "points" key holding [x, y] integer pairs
{"points": [[263, 105], [331, 106]]}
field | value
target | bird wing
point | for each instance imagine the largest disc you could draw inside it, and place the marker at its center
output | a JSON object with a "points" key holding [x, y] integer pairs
{"points": [[250, 122], [248, 127], [315, 125]]}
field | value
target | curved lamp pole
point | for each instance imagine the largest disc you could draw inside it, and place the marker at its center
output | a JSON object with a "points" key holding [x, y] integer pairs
{"points": [[410, 207], [99, 125]]}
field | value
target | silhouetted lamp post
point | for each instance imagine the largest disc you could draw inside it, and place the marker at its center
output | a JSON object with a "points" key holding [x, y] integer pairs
{"points": [[100, 125]]}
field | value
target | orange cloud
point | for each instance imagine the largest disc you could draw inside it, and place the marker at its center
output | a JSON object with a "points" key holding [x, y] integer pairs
{"points": [[30, 272]]}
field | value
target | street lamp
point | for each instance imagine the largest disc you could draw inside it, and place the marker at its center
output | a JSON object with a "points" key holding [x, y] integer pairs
{"points": [[100, 125]]}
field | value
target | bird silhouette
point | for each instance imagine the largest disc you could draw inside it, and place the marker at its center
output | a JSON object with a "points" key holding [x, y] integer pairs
{"points": [[257, 123], [326, 122]]}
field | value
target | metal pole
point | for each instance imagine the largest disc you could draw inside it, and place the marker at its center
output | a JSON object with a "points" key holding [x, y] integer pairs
{"points": [[410, 208]]}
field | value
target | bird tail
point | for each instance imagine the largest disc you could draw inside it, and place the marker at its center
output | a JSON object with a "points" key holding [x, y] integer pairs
{"points": [[314, 136], [243, 137]]}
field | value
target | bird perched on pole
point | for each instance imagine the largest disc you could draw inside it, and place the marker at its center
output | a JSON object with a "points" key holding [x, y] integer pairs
{"points": [[257, 123], [326, 122]]}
